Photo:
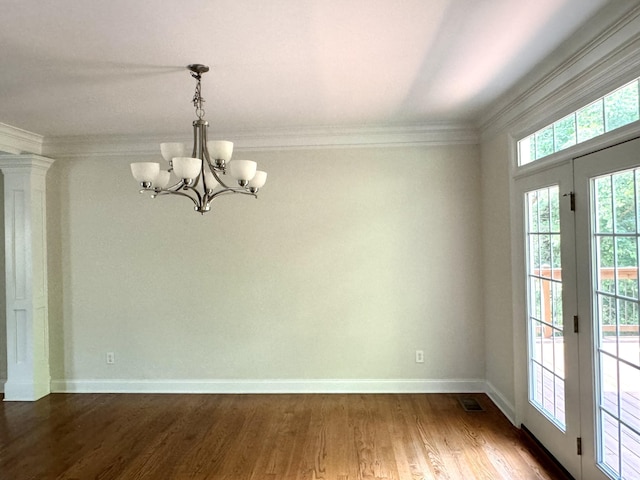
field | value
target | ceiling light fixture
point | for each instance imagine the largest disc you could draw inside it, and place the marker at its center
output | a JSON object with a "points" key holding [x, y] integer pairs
{"points": [[198, 176]]}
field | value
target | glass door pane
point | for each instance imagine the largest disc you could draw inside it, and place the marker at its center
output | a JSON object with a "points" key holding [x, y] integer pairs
{"points": [[615, 206], [544, 305]]}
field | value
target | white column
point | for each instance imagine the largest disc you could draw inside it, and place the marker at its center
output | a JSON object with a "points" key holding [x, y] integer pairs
{"points": [[26, 276]]}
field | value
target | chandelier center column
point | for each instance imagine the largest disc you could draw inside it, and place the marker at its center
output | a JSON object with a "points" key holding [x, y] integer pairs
{"points": [[28, 376]]}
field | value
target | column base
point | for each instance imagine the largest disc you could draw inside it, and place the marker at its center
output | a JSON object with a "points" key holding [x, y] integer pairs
{"points": [[25, 392]]}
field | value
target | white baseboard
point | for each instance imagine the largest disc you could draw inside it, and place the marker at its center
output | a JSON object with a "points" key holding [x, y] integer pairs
{"points": [[270, 386], [501, 402]]}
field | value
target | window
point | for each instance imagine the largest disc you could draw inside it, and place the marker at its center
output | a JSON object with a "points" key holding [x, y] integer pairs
{"points": [[618, 108]]}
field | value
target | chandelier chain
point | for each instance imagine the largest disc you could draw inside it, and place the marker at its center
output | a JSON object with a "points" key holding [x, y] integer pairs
{"points": [[197, 96]]}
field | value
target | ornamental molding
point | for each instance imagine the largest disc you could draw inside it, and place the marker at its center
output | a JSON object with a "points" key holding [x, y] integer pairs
{"points": [[291, 139], [603, 63], [15, 140]]}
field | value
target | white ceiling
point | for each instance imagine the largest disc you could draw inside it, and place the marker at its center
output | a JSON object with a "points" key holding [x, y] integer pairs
{"points": [[70, 67]]}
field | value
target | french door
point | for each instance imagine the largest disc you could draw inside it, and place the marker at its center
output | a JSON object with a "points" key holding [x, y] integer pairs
{"points": [[548, 345], [581, 368]]}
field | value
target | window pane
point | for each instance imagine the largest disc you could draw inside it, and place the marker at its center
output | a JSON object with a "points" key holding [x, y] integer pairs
{"points": [[604, 205], [537, 338], [637, 177], [630, 453], [605, 274], [555, 255], [533, 203], [556, 304], [621, 106], [554, 210], [590, 121], [534, 254], [558, 341], [559, 400], [609, 393], [547, 350], [628, 282], [611, 443], [628, 347], [608, 324], [565, 132], [626, 253], [535, 300], [544, 142], [629, 402], [526, 150], [548, 396], [544, 217], [546, 302], [536, 383], [545, 254], [624, 202]]}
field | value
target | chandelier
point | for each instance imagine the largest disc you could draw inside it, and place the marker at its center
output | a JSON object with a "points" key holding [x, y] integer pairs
{"points": [[199, 177]]}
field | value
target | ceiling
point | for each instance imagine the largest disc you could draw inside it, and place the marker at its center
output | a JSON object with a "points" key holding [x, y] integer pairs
{"points": [[118, 66]]}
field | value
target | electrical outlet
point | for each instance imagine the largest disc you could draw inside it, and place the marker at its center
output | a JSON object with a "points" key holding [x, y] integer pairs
{"points": [[419, 356], [111, 358]]}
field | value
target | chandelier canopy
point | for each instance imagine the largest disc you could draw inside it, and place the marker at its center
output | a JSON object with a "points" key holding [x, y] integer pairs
{"points": [[199, 177]]}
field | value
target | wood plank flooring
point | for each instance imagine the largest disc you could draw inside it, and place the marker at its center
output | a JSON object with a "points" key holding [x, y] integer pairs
{"points": [[265, 437]]}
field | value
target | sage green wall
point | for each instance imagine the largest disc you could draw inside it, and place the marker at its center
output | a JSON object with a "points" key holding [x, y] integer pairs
{"points": [[350, 260]]}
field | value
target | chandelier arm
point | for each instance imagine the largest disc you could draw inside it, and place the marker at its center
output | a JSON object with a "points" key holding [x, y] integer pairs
{"points": [[231, 190], [169, 192], [175, 187], [195, 182], [194, 190]]}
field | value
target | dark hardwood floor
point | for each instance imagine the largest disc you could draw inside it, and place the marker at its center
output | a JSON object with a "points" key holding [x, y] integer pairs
{"points": [[266, 437]]}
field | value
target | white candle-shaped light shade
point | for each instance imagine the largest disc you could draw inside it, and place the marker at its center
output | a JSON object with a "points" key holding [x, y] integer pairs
{"points": [[258, 180], [187, 167], [210, 180], [220, 149], [242, 169], [171, 150], [163, 179], [145, 171]]}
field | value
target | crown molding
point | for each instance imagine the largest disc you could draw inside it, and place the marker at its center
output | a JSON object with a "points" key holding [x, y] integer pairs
{"points": [[602, 63], [15, 140], [280, 139]]}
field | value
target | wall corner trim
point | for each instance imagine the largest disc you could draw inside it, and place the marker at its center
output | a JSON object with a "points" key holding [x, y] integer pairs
{"points": [[498, 398]]}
